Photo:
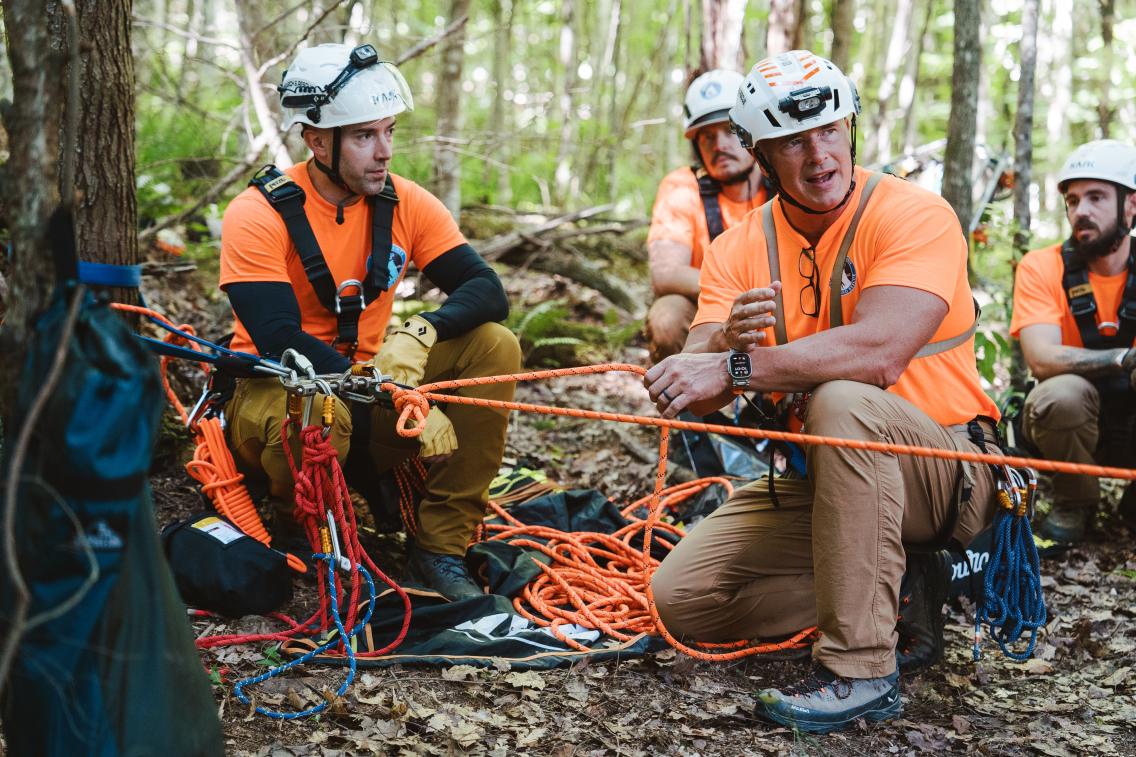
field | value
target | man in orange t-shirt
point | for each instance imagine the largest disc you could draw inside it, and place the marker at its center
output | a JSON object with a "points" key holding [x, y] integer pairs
{"points": [[1084, 409], [694, 205], [311, 260], [849, 286]]}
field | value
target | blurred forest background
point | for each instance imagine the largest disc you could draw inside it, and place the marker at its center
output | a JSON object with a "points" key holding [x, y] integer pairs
{"points": [[571, 111]]}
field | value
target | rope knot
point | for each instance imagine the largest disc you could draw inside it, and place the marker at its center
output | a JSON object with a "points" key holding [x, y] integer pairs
{"points": [[411, 405]]}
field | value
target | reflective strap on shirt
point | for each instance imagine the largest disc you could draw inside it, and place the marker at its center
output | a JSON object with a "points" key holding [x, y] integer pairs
{"points": [[836, 313]]}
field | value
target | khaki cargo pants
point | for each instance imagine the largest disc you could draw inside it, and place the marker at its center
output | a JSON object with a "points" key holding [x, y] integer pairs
{"points": [[1063, 418], [832, 554], [456, 488]]}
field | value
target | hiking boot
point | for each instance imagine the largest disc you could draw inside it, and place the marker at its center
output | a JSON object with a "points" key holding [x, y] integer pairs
{"points": [[922, 594], [445, 574], [825, 702], [1127, 508], [1065, 523]]}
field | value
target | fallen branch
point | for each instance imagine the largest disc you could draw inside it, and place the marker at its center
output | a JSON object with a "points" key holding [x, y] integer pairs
{"points": [[237, 172], [494, 247], [578, 269]]}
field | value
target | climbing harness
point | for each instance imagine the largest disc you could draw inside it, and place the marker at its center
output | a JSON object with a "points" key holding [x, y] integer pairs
{"points": [[346, 300], [1079, 293], [708, 190]]}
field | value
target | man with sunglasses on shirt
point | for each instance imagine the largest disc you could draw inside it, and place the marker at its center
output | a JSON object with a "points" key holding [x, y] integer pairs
{"points": [[1075, 314], [311, 259], [849, 287]]}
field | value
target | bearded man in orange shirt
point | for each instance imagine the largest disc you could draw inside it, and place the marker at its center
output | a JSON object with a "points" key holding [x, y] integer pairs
{"points": [[1075, 314], [694, 205], [849, 287]]}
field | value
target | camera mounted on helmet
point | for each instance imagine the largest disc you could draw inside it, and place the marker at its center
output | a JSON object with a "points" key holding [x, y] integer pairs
{"points": [[293, 96]]}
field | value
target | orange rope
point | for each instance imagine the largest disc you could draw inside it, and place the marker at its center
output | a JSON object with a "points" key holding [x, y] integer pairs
{"points": [[212, 464], [602, 581], [430, 393]]}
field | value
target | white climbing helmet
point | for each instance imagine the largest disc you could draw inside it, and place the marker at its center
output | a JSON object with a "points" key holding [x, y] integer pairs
{"points": [[790, 93], [335, 85], [709, 99], [1101, 159]]}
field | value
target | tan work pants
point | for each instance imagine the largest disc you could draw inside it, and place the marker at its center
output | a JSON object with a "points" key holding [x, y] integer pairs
{"points": [[668, 323], [456, 488], [832, 554], [1060, 418]]}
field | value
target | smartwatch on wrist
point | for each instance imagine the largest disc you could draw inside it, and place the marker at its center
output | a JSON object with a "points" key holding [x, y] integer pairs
{"points": [[739, 368]]}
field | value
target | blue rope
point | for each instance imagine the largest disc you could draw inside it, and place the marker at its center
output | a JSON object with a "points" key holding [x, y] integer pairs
{"points": [[1013, 602], [342, 636]]}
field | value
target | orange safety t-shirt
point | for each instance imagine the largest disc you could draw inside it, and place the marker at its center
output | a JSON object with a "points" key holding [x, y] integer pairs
{"points": [[906, 237], [1039, 296], [255, 246], [678, 215]]}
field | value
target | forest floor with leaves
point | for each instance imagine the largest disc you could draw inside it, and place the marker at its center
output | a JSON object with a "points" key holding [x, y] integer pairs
{"points": [[1075, 697]]}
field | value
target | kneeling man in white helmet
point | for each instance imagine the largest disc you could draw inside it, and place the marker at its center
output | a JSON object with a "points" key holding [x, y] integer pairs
{"points": [[850, 289], [311, 259], [694, 205], [1075, 314]]}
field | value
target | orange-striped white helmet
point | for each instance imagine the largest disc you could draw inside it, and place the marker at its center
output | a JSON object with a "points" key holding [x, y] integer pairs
{"points": [[790, 93]]}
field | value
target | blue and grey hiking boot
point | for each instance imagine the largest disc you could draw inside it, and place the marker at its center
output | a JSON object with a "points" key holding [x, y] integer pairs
{"points": [[826, 702], [445, 574], [1065, 524]]}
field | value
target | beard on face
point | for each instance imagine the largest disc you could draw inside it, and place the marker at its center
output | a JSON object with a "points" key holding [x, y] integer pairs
{"points": [[738, 177], [1105, 243]]}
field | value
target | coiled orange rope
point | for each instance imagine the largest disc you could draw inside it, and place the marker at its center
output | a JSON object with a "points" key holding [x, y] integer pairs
{"points": [[212, 464], [602, 581]]}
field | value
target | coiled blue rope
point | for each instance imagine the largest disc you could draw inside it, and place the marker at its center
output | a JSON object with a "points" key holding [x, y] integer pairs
{"points": [[1013, 602], [349, 650]]}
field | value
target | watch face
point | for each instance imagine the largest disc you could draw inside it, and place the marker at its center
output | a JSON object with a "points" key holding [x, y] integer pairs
{"points": [[739, 365]]}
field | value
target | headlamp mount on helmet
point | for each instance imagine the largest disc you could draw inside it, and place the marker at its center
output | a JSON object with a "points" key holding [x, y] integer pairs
{"points": [[312, 98], [805, 103]]}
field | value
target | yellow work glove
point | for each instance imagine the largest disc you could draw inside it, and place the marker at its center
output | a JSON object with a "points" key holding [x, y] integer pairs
{"points": [[404, 351], [438, 439]]}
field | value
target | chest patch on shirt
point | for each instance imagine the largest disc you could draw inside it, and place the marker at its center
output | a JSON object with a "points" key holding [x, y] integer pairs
{"points": [[847, 277]]}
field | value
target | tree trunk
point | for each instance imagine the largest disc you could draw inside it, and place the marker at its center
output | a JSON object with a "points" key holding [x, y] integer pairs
{"points": [[898, 48], [1105, 110], [1023, 127], [1023, 161], [840, 19], [496, 172], [722, 24], [106, 213], [268, 116], [29, 180], [908, 88], [567, 86], [1057, 90], [783, 26], [447, 163], [619, 126], [958, 166]]}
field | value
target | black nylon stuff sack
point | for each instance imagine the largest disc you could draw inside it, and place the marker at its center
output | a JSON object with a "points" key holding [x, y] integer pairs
{"points": [[218, 568]]}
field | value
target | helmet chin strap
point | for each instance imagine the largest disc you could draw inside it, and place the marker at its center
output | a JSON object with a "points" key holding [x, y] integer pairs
{"points": [[333, 173], [767, 167]]}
